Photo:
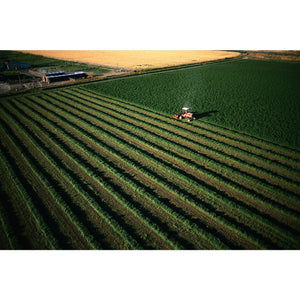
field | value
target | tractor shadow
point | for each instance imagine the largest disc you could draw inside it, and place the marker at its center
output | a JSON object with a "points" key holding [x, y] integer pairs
{"points": [[205, 114]]}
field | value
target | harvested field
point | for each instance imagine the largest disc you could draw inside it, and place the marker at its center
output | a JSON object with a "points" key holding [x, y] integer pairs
{"points": [[136, 59], [282, 55], [86, 171]]}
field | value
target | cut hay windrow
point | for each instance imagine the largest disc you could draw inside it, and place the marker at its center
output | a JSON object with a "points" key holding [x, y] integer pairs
{"points": [[141, 190], [90, 199], [89, 170], [273, 224], [26, 192], [173, 136], [96, 171], [210, 174]]}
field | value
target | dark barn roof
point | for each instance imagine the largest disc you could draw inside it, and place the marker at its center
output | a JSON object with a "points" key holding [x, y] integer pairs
{"points": [[66, 76], [55, 73]]}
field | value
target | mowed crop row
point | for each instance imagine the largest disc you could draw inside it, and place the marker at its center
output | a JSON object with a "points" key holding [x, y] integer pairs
{"points": [[100, 173]]}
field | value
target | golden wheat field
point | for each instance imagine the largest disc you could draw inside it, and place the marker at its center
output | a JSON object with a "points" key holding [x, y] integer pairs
{"points": [[136, 59]]}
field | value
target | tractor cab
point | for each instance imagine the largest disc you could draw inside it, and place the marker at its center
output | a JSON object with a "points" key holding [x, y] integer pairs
{"points": [[185, 114]]}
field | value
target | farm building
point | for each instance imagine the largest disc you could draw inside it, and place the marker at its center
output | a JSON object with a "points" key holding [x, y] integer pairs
{"points": [[62, 76], [55, 73], [58, 76]]}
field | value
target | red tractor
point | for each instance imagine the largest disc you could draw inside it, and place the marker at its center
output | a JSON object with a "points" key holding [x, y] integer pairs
{"points": [[185, 114]]}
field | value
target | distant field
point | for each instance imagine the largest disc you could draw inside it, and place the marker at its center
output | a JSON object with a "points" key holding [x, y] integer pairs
{"points": [[282, 55], [45, 64], [137, 59], [261, 98]]}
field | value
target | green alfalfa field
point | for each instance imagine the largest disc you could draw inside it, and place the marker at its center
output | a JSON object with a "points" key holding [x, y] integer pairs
{"points": [[261, 98], [104, 166]]}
